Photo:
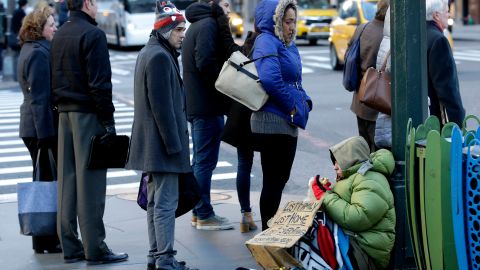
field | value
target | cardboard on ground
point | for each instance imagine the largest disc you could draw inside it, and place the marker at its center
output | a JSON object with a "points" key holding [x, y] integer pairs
{"points": [[287, 226]]}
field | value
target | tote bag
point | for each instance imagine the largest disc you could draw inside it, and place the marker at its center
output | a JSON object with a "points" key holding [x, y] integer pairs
{"points": [[37, 203], [239, 80], [374, 89]]}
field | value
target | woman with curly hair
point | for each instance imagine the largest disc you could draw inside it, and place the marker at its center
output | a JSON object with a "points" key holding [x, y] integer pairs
{"points": [[38, 120]]}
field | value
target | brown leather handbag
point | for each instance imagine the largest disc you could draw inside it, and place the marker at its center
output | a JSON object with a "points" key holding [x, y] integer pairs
{"points": [[374, 90]]}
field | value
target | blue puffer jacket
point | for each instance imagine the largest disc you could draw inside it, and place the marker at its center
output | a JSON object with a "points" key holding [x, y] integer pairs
{"points": [[281, 76]]}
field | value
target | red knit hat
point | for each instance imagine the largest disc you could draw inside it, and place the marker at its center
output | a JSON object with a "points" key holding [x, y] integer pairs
{"points": [[167, 16]]}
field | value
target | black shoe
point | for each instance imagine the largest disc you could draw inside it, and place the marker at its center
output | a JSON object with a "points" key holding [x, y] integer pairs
{"points": [[109, 257], [74, 259]]}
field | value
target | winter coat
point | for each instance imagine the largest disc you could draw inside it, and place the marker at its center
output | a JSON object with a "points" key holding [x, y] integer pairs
{"points": [[81, 73], [443, 88], [369, 44], [159, 133], [281, 75], [202, 61], [36, 112], [383, 126], [362, 201]]}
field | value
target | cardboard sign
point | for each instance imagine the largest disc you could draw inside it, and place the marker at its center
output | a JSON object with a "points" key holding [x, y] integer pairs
{"points": [[287, 226]]}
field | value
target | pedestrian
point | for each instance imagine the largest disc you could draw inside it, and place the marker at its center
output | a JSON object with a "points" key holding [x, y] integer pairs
{"points": [[82, 90], [443, 87], [38, 120], [13, 39], [274, 126], [202, 61], [160, 144], [371, 36], [237, 131], [361, 200]]}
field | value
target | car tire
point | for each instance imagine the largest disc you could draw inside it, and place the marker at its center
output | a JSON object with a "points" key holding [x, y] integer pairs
{"points": [[312, 42], [334, 61], [117, 32]]}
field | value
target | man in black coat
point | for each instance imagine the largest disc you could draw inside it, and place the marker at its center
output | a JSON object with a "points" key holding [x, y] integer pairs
{"points": [[82, 91], [202, 61], [443, 88]]}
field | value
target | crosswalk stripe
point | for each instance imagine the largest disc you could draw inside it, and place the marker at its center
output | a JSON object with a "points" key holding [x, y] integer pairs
{"points": [[317, 58], [123, 114], [14, 159], [120, 72], [314, 52], [223, 176], [11, 142], [466, 58], [7, 127], [10, 121], [306, 70], [468, 53], [7, 115], [319, 65], [8, 134], [13, 150], [9, 110]]}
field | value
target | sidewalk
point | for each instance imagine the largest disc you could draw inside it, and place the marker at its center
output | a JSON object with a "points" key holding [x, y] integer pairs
{"points": [[126, 230]]}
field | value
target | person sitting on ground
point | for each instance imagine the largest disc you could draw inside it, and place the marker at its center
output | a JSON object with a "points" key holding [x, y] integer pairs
{"points": [[361, 201]]}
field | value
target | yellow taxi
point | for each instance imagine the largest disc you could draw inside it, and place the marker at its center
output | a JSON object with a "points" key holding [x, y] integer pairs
{"points": [[350, 14], [314, 18], [236, 24]]}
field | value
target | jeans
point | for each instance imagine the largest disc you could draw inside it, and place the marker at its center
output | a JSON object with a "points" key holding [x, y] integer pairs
{"points": [[162, 203], [206, 134], [245, 162], [277, 152]]}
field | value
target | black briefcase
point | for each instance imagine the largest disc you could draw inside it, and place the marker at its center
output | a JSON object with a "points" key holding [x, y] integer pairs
{"points": [[110, 152]]}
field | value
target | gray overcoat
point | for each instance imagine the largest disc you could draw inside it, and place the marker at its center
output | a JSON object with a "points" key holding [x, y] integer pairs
{"points": [[159, 134]]}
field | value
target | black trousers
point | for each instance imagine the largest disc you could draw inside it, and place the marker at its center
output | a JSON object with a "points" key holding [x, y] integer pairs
{"points": [[49, 243], [277, 152]]}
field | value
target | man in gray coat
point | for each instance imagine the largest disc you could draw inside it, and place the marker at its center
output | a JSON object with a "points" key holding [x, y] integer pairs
{"points": [[159, 142]]}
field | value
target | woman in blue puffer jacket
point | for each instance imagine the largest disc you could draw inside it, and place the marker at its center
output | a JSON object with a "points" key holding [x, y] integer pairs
{"points": [[275, 125]]}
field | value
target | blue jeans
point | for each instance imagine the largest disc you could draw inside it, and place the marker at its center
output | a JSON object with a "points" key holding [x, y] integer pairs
{"points": [[245, 162], [206, 134]]}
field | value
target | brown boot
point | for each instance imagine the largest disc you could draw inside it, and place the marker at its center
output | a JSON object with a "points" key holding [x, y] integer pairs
{"points": [[247, 224]]}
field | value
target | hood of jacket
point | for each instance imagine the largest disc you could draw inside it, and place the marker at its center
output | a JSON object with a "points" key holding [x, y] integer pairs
{"points": [[198, 11], [269, 16], [350, 152], [353, 156]]}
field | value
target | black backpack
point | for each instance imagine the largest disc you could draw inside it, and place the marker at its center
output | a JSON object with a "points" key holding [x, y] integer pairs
{"points": [[352, 70]]}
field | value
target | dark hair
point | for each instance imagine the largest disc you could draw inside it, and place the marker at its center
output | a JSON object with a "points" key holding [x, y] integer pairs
{"points": [[22, 3], [382, 8], [33, 23], [290, 6], [75, 4]]}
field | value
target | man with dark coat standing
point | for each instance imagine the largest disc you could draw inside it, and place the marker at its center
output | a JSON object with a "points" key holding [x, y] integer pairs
{"points": [[82, 91], [202, 60], [159, 142], [443, 87]]}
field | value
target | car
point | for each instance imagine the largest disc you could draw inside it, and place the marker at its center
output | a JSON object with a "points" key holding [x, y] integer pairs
{"points": [[351, 14], [314, 18], [236, 24]]}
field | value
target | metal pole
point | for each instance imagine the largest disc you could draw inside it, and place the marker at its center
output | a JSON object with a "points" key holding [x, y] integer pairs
{"points": [[409, 100]]}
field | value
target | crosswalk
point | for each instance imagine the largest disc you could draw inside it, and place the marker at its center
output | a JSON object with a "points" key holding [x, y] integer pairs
{"points": [[16, 165], [313, 60]]}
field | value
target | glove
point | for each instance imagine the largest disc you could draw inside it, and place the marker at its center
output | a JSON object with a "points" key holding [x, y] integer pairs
{"points": [[47, 142], [217, 10], [320, 186]]}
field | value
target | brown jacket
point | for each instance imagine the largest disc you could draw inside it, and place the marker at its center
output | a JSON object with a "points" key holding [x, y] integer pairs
{"points": [[369, 45]]}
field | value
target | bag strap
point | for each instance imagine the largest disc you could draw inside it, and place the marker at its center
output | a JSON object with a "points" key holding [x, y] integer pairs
{"points": [[361, 32], [384, 65], [239, 67], [53, 165], [255, 59]]}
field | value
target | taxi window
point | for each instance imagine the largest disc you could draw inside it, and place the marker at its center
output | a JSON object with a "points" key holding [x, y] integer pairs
{"points": [[369, 10], [348, 9]]}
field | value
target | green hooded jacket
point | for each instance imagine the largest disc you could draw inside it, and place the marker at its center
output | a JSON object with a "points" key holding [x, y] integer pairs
{"points": [[362, 201]]}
